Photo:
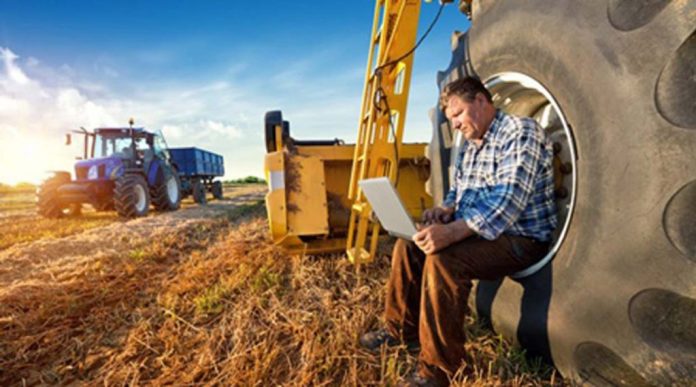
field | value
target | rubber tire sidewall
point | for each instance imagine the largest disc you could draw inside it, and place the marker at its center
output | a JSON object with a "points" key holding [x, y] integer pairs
{"points": [[124, 196], [217, 190], [47, 200], [199, 192], [160, 194]]}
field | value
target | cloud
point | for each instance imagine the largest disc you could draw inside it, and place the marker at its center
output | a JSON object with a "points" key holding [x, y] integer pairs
{"points": [[32, 62], [218, 111], [33, 117], [36, 112], [206, 131], [12, 71]]}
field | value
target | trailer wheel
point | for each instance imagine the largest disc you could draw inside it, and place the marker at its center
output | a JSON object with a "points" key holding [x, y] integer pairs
{"points": [[166, 196], [48, 202], [131, 196], [627, 100], [199, 192], [217, 190]]}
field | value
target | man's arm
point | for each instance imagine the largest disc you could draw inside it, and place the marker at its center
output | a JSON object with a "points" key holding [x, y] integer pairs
{"points": [[450, 200], [436, 237]]}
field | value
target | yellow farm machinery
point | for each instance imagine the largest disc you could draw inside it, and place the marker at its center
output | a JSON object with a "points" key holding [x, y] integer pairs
{"points": [[613, 83]]}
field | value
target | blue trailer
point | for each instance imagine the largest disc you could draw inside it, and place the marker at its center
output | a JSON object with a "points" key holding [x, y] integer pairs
{"points": [[197, 170]]}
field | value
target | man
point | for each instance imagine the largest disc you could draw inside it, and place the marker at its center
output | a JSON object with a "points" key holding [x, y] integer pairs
{"points": [[497, 219]]}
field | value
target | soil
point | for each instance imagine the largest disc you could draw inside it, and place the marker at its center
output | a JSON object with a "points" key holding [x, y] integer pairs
{"points": [[47, 260]]}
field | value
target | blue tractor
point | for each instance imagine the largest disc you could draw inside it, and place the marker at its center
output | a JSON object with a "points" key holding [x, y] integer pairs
{"points": [[122, 169]]}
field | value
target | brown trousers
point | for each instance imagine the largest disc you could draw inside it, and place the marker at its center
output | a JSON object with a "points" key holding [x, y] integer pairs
{"points": [[427, 294]]}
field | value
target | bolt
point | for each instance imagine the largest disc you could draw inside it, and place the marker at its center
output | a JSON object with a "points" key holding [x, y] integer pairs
{"points": [[557, 147], [561, 192], [566, 168]]}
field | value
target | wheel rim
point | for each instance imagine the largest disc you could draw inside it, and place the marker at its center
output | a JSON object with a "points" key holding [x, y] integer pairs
{"points": [[140, 201], [522, 95], [172, 190]]}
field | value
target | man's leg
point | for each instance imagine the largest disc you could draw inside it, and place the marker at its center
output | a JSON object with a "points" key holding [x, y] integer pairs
{"points": [[447, 277], [402, 304]]}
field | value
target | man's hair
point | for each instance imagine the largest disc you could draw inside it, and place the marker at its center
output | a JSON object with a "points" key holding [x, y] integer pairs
{"points": [[465, 88]]}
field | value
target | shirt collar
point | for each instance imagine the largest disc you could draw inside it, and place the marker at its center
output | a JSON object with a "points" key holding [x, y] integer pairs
{"points": [[492, 128]]}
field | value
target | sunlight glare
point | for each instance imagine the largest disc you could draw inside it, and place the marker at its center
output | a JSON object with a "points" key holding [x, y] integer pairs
{"points": [[30, 159]]}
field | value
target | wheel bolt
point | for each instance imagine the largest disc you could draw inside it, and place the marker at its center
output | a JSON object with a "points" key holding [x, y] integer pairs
{"points": [[566, 168], [557, 147]]}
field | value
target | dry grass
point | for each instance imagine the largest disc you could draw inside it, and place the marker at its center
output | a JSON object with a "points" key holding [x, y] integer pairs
{"points": [[217, 304], [20, 223], [17, 188], [20, 229]]}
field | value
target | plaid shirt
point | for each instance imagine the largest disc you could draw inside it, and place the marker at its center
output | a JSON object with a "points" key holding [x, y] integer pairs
{"points": [[505, 186]]}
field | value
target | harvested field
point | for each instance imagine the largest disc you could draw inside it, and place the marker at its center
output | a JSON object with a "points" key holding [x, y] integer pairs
{"points": [[20, 223], [201, 297]]}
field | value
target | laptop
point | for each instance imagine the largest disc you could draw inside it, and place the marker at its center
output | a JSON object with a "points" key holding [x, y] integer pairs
{"points": [[387, 205]]}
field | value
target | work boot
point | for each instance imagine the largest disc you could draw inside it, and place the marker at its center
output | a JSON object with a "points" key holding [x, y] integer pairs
{"points": [[373, 341]]}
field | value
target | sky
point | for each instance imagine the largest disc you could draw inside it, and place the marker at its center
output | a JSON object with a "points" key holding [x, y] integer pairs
{"points": [[204, 72]]}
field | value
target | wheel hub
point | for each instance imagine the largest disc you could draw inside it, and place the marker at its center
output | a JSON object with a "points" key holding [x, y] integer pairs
{"points": [[140, 200], [172, 190], [520, 94]]}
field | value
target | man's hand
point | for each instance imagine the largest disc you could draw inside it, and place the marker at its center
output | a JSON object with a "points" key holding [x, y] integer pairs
{"points": [[436, 237], [438, 215], [433, 238]]}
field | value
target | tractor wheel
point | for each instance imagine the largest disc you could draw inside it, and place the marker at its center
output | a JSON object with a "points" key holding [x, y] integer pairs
{"points": [[166, 196], [105, 205], [217, 190], [131, 196], [74, 209], [199, 192], [613, 84], [47, 201]]}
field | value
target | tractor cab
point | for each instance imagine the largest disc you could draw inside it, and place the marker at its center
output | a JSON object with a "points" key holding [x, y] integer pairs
{"points": [[134, 144], [109, 151]]}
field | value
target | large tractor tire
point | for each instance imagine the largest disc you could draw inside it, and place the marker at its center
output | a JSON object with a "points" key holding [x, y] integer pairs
{"points": [[166, 195], [199, 192], [614, 84], [131, 196], [217, 190], [48, 202]]}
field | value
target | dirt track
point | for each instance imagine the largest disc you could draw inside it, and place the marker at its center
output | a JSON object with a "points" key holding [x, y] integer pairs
{"points": [[50, 260]]}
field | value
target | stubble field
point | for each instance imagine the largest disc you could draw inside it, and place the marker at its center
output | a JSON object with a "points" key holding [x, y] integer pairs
{"points": [[199, 296]]}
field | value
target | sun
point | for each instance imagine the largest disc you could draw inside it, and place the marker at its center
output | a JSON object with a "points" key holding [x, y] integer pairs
{"points": [[29, 159]]}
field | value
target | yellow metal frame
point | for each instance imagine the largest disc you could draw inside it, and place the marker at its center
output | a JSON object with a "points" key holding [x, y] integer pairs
{"points": [[379, 145], [314, 204]]}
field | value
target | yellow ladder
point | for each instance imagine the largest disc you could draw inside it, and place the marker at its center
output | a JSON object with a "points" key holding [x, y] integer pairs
{"points": [[381, 124]]}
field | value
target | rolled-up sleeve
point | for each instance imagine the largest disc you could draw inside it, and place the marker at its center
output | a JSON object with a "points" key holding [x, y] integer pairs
{"points": [[450, 199], [497, 207]]}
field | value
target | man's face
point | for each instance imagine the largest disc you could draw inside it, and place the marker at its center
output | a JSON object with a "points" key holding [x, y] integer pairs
{"points": [[467, 117]]}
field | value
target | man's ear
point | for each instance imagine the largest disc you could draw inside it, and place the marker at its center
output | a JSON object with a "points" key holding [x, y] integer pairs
{"points": [[480, 99]]}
